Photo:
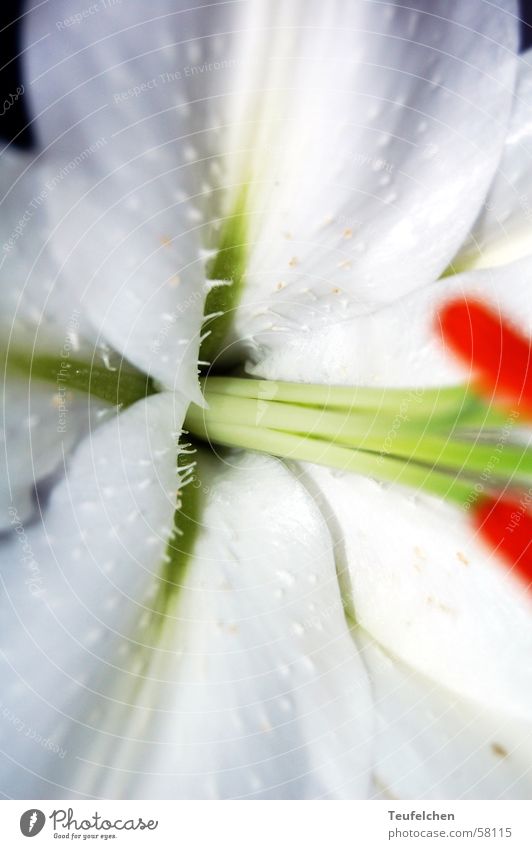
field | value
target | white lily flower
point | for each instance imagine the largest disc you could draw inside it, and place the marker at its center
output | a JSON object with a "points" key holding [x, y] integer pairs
{"points": [[276, 629]]}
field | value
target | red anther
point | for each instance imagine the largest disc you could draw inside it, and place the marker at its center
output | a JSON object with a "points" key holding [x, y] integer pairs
{"points": [[499, 356], [506, 525]]}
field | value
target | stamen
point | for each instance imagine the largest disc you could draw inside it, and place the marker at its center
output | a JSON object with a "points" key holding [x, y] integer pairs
{"points": [[295, 445], [443, 442], [499, 356], [407, 436]]}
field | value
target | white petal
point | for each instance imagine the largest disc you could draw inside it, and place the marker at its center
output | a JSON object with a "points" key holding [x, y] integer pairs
{"points": [[30, 300], [254, 686], [432, 745], [397, 345], [126, 232], [376, 161], [502, 233], [40, 423], [137, 262], [367, 135], [430, 592], [38, 427], [72, 586], [271, 699]]}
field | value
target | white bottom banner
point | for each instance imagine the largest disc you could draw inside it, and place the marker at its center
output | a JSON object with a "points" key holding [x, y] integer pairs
{"points": [[241, 825]]}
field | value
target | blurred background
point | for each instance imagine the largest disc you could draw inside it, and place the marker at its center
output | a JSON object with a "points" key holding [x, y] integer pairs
{"points": [[14, 122]]}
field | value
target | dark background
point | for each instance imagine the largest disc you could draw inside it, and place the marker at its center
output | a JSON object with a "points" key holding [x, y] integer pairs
{"points": [[14, 123]]}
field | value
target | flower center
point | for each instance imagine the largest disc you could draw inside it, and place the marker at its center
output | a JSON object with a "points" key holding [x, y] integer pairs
{"points": [[451, 442]]}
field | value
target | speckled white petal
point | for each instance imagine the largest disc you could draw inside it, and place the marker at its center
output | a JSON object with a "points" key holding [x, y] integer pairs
{"points": [[73, 585], [253, 687], [105, 97], [369, 159], [431, 744], [40, 423], [270, 698], [503, 231], [397, 345], [31, 301], [367, 135], [136, 259], [429, 591]]}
